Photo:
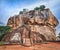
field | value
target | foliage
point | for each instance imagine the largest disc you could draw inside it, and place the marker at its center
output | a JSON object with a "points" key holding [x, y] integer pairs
{"points": [[42, 7], [24, 10], [36, 8], [1, 43], [59, 35], [21, 12], [1, 35], [4, 30]]}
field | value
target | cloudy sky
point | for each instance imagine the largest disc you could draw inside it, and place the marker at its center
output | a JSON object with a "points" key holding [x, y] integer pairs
{"points": [[11, 7]]}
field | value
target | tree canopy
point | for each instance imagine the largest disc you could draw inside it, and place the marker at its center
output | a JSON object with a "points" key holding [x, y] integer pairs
{"points": [[4, 30], [59, 35], [36, 8], [24, 10], [42, 7], [21, 12]]}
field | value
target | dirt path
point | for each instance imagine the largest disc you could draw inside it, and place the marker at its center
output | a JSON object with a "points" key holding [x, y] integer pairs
{"points": [[48, 46]]}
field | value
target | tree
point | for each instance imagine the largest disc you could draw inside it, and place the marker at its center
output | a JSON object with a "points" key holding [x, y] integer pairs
{"points": [[36, 8], [42, 7], [24, 10], [21, 12], [59, 35], [4, 30]]}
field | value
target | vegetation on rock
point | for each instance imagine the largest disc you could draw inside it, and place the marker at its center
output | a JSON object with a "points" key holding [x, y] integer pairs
{"points": [[42, 7], [36, 8], [21, 12]]}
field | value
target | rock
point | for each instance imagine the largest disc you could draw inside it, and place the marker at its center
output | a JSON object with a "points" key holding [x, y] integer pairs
{"points": [[31, 21], [45, 31], [52, 19], [32, 27], [39, 20], [13, 22]]}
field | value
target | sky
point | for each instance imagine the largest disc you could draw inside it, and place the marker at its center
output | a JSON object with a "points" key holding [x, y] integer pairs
{"points": [[13, 7]]}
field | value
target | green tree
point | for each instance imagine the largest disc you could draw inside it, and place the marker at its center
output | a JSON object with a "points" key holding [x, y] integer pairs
{"points": [[59, 35], [21, 12], [36, 8], [24, 10], [42, 7], [4, 30]]}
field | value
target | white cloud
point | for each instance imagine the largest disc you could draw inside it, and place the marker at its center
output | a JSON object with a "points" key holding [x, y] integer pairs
{"points": [[15, 10]]}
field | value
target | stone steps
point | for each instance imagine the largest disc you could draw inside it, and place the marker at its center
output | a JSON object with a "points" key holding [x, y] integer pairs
{"points": [[27, 42]]}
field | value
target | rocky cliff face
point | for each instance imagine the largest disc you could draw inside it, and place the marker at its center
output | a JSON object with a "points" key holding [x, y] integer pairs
{"points": [[39, 22]]}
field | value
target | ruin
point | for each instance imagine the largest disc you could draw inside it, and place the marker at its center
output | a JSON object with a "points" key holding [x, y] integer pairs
{"points": [[32, 27]]}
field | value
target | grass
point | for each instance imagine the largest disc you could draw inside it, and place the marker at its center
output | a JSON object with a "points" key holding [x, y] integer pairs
{"points": [[2, 43]]}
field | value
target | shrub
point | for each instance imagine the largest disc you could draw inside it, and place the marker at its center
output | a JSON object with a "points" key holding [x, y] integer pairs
{"points": [[4, 30], [2, 43], [24, 10], [42, 7], [21, 12], [37, 8], [59, 35]]}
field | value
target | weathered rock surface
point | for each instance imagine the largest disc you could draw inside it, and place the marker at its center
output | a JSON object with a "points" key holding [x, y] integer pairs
{"points": [[33, 26]]}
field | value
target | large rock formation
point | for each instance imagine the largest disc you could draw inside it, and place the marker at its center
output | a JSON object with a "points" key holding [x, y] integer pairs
{"points": [[35, 25]]}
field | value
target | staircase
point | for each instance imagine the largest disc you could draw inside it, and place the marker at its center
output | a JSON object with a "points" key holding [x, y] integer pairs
{"points": [[27, 42]]}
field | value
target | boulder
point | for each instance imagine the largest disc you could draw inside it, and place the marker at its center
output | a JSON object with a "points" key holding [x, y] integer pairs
{"points": [[32, 27]]}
